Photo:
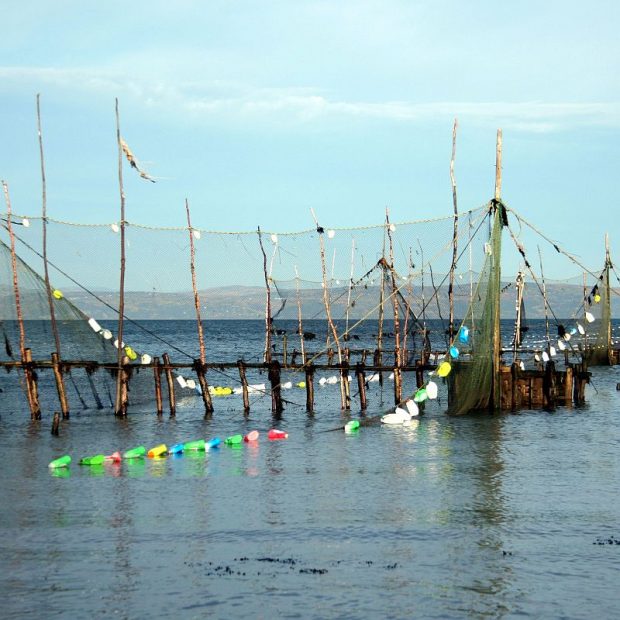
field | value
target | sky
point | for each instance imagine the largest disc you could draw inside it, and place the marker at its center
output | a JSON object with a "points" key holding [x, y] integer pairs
{"points": [[257, 112]]}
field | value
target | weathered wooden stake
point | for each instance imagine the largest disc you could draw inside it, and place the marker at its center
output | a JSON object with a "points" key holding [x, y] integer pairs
{"points": [[276, 388], [244, 386], [309, 370], [170, 382], [31, 385], [56, 424], [157, 376], [361, 385], [60, 386], [124, 386], [454, 235], [207, 401]]}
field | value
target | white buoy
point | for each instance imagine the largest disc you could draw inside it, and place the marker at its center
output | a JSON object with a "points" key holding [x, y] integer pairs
{"points": [[331, 233], [107, 334], [545, 356], [95, 326], [552, 351], [400, 416], [521, 365], [332, 380], [589, 317], [431, 390], [287, 386], [114, 228], [191, 384], [322, 381], [116, 344], [181, 381], [196, 234], [274, 238], [561, 345], [26, 222], [146, 359], [581, 329], [412, 408]]}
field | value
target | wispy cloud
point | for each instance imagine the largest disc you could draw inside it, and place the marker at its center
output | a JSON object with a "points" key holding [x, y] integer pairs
{"points": [[217, 100]]}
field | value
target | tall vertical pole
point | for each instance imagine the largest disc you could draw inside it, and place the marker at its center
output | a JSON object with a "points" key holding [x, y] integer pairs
{"points": [[454, 235], [62, 395], [206, 396], [497, 343], [35, 411], [397, 358], [267, 352], [608, 300], [120, 407]]}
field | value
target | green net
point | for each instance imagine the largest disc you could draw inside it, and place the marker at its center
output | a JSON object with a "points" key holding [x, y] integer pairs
{"points": [[473, 385]]}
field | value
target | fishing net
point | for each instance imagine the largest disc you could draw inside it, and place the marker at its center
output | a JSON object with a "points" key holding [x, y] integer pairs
{"points": [[596, 322], [472, 382]]}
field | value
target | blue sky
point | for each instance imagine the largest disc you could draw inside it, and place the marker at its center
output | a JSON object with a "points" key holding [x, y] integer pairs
{"points": [[257, 111]]}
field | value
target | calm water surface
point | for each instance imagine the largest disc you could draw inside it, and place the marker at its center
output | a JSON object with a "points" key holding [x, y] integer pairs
{"points": [[486, 516]]}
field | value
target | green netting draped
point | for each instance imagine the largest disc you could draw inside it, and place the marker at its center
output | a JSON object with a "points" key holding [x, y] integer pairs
{"points": [[472, 384], [598, 306]]}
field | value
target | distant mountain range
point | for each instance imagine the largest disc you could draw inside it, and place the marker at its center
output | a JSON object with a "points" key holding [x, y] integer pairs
{"points": [[239, 302]]}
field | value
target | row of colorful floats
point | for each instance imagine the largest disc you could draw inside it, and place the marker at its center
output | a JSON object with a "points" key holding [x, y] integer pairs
{"points": [[162, 450]]}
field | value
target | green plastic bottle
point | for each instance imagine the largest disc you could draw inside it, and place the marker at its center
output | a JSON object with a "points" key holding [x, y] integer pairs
{"points": [[233, 440], [198, 445], [98, 459], [63, 461], [135, 453], [352, 425]]}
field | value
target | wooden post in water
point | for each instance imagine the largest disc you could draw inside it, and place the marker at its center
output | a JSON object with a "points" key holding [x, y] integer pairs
{"points": [[60, 385], [118, 408], [31, 382], [201, 371], [157, 377], [244, 386], [35, 411], [309, 370], [124, 386], [361, 385], [276, 387], [56, 424], [170, 382], [204, 387]]}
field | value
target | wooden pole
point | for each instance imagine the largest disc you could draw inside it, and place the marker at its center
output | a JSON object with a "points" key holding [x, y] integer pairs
{"points": [[309, 370], [56, 424], [300, 328], [361, 385], [124, 386], [545, 301], [206, 396], [207, 401], [118, 408], [607, 313], [397, 360], [497, 344], [31, 382], [60, 386], [64, 405], [326, 302], [454, 235], [267, 351], [170, 382], [276, 387], [35, 411], [244, 386], [157, 377]]}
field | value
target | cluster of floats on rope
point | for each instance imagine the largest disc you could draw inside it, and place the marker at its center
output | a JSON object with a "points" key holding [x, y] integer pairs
{"points": [[162, 450], [400, 416]]}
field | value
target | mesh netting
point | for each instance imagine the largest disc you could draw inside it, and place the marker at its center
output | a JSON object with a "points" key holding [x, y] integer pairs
{"points": [[472, 376]]}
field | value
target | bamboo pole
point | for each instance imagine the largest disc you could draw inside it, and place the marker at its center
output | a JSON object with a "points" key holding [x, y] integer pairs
{"points": [[206, 396], [299, 317], [119, 410], [345, 398], [170, 383], [397, 359], [545, 301], [608, 265], [31, 383], [157, 377], [244, 386], [60, 385], [35, 412], [267, 351], [497, 344], [454, 235]]}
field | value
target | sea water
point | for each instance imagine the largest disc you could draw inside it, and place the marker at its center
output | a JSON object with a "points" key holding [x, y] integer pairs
{"points": [[480, 516]]}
